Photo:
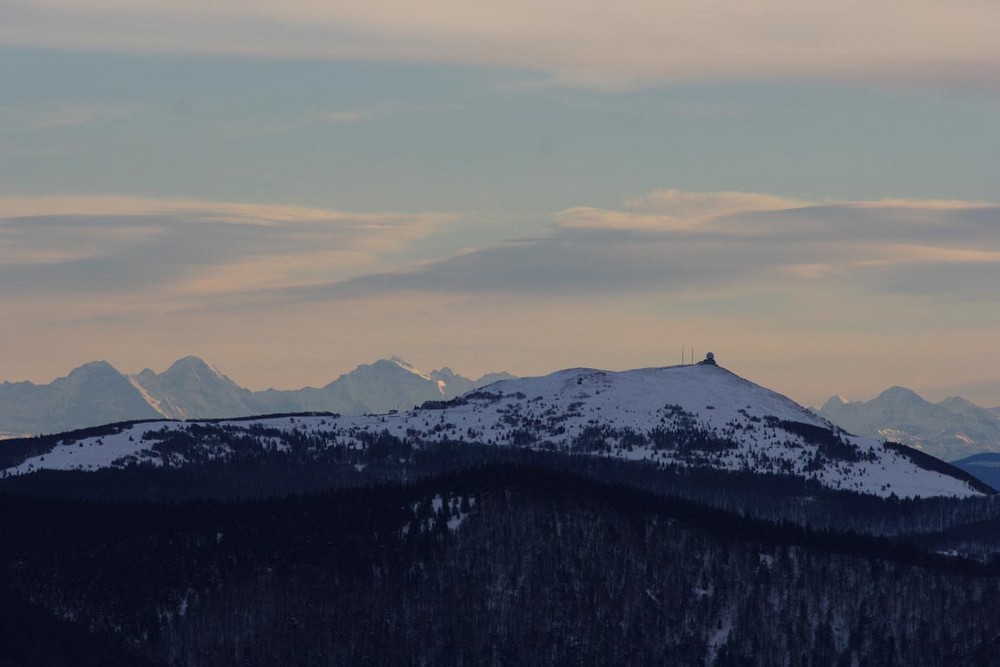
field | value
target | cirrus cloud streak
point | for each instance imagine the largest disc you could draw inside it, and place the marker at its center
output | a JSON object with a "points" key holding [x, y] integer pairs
{"points": [[601, 44], [180, 249], [676, 244]]}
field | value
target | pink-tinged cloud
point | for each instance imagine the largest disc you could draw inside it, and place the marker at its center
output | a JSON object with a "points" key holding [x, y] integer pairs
{"points": [[694, 244], [177, 250], [605, 44]]}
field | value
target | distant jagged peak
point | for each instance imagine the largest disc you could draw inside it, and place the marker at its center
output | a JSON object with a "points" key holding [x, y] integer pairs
{"points": [[958, 403], [93, 368], [836, 401], [95, 373], [490, 378], [948, 429], [192, 364], [956, 399], [898, 394], [185, 366], [398, 361], [450, 381], [385, 368], [404, 364], [903, 395], [447, 375]]}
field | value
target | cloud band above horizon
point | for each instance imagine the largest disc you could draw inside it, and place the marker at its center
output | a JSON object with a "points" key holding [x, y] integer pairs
{"points": [[605, 45], [683, 240]]}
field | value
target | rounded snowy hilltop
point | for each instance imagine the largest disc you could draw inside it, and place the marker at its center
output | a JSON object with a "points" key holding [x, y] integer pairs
{"points": [[700, 416]]}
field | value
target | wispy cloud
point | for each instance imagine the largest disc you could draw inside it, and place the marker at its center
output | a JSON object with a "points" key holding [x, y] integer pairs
{"points": [[36, 117], [681, 244], [180, 249], [672, 242], [672, 209], [375, 112], [606, 44], [82, 115]]}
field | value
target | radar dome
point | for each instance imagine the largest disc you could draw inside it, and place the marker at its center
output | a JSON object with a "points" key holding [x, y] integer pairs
{"points": [[708, 361]]}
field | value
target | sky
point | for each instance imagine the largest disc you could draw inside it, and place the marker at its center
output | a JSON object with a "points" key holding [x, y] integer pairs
{"points": [[288, 189]]}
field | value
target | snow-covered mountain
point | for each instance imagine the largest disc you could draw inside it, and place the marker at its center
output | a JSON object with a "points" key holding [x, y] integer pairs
{"points": [[387, 384], [952, 429], [699, 416], [92, 394], [192, 389], [97, 394]]}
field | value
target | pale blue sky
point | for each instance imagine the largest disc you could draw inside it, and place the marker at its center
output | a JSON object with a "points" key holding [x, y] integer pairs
{"points": [[289, 189], [363, 136]]}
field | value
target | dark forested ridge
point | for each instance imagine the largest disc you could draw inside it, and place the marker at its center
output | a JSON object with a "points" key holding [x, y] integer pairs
{"points": [[252, 472], [490, 563]]}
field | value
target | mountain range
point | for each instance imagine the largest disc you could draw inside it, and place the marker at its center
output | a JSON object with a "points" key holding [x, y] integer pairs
{"points": [[678, 515], [97, 393], [698, 416], [951, 429]]}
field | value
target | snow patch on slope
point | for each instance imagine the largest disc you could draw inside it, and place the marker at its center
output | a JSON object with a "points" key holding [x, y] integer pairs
{"points": [[149, 398], [407, 366], [97, 452]]}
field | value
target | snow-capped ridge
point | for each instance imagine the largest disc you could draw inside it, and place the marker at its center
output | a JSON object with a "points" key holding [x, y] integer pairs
{"points": [[835, 401], [92, 393], [950, 429], [93, 369], [899, 394], [688, 416], [192, 364], [406, 366], [191, 388]]}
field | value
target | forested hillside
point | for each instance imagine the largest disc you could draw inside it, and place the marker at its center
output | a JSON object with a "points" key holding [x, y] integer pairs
{"points": [[502, 564]]}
